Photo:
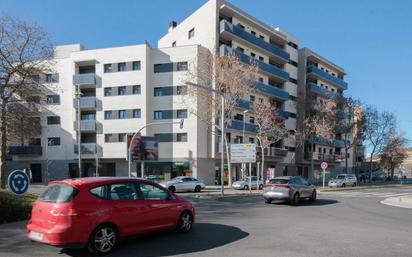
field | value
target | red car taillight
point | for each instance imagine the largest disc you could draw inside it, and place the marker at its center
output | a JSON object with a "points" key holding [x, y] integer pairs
{"points": [[276, 185]]}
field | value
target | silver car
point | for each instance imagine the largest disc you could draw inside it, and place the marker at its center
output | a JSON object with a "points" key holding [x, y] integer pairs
{"points": [[343, 180], [290, 189], [244, 183], [184, 184]]}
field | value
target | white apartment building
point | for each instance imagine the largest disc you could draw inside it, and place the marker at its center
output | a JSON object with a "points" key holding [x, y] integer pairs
{"points": [[123, 89], [320, 79]]}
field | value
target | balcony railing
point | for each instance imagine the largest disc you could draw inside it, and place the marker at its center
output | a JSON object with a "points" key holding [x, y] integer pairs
{"points": [[269, 69], [228, 27], [85, 125], [314, 88], [272, 90], [238, 125], [324, 75], [26, 150], [329, 142], [88, 102], [325, 157], [86, 148], [84, 79]]}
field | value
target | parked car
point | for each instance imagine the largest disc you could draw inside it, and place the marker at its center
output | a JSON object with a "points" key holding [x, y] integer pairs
{"points": [[289, 188], [184, 184], [244, 183], [96, 212], [343, 180]]}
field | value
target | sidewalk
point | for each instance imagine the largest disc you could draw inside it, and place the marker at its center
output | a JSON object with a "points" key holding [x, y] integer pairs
{"points": [[364, 186], [402, 201]]}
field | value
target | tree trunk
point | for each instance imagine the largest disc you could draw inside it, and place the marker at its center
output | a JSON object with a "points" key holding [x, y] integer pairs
{"points": [[3, 146], [392, 171], [263, 161], [370, 168], [229, 173], [346, 153]]}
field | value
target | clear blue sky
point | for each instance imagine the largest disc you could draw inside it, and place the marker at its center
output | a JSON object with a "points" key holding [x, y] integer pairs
{"points": [[371, 39]]}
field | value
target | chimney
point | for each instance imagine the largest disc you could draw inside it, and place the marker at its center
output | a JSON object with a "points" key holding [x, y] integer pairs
{"points": [[172, 25]]}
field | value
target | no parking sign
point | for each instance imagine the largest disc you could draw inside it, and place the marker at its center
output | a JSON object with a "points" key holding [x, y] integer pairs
{"points": [[18, 182]]}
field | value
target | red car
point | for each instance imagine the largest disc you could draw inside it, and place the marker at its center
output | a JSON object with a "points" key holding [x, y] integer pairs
{"points": [[96, 212]]}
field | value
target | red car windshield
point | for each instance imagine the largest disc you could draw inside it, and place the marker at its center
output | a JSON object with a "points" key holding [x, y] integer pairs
{"points": [[58, 193]]}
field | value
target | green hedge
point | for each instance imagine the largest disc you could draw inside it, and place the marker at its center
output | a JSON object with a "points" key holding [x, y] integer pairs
{"points": [[15, 208]]}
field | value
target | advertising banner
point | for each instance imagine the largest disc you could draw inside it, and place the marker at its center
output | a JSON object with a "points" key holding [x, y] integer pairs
{"points": [[143, 148]]}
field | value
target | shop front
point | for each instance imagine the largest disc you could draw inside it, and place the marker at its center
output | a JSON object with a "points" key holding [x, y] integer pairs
{"points": [[163, 171]]}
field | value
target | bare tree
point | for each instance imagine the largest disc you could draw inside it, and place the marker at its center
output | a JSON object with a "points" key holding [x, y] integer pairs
{"points": [[270, 127], [394, 153], [318, 122], [377, 127], [226, 74], [348, 123], [24, 51]]}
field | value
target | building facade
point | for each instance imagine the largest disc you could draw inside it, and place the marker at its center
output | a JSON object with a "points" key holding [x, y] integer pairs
{"points": [[120, 90]]}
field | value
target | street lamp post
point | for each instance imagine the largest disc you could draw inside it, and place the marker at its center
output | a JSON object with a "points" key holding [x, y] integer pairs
{"points": [[79, 133], [129, 149], [222, 129]]}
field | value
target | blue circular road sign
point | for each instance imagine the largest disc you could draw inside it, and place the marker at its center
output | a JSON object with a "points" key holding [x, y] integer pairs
{"points": [[18, 182]]}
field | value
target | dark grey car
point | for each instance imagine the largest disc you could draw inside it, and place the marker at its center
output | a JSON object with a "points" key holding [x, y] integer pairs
{"points": [[290, 189]]}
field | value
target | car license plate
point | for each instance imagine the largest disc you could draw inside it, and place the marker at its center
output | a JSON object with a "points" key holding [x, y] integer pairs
{"points": [[36, 236]]}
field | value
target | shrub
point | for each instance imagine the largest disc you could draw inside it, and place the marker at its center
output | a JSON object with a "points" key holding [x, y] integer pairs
{"points": [[15, 208]]}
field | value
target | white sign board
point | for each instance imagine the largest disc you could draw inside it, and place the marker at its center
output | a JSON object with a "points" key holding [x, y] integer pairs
{"points": [[324, 165], [242, 153]]}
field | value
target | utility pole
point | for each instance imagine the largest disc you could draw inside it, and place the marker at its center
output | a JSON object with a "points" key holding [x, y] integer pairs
{"points": [[79, 133]]}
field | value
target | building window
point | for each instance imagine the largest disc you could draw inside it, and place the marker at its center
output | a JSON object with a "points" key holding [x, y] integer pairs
{"points": [[158, 115], [239, 140], [107, 68], [252, 120], [108, 91], [108, 138], [136, 113], [136, 90], [293, 80], [292, 97], [181, 66], [261, 100], [163, 67], [253, 32], [181, 114], [251, 140], [121, 90], [241, 26], [261, 58], [252, 54], [122, 137], [260, 79], [53, 99], [238, 117], [53, 120], [240, 49], [51, 78], [158, 91], [136, 65], [174, 44], [191, 33], [181, 90], [261, 37], [293, 45], [53, 141], [122, 114], [88, 116], [181, 137], [108, 115], [252, 98], [121, 66]]}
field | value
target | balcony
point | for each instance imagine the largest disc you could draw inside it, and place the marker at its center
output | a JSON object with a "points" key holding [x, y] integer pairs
{"points": [[86, 148], [88, 103], [275, 152], [238, 125], [314, 88], [329, 142], [283, 114], [276, 92], [326, 76], [86, 125], [84, 79], [244, 104], [324, 157], [25, 150], [230, 30], [267, 68]]}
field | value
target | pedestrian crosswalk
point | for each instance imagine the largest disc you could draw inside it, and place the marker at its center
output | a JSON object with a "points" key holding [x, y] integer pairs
{"points": [[365, 193]]}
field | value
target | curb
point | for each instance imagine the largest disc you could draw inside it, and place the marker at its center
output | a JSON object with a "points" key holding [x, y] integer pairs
{"points": [[218, 196], [319, 189], [397, 202]]}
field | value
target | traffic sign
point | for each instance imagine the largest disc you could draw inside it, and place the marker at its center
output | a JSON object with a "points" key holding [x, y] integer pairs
{"points": [[242, 153], [18, 182], [324, 165]]}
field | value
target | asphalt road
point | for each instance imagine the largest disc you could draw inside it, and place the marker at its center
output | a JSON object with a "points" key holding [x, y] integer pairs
{"points": [[335, 225]]}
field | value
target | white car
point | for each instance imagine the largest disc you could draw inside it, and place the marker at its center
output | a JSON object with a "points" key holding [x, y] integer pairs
{"points": [[184, 184], [244, 183], [343, 180]]}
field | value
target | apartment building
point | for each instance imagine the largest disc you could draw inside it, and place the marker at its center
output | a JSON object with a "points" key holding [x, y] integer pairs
{"points": [[225, 29], [320, 80], [120, 90]]}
